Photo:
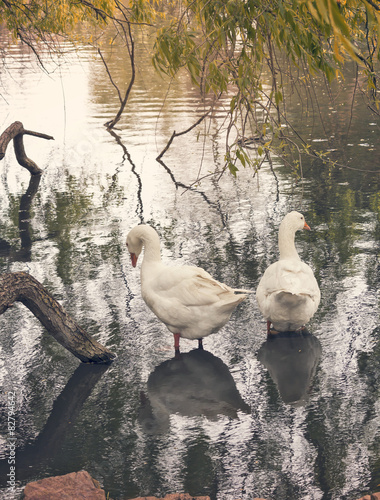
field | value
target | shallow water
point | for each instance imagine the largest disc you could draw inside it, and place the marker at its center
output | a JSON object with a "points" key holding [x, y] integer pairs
{"points": [[217, 422]]}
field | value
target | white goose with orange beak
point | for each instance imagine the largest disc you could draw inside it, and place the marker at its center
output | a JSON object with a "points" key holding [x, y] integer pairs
{"points": [[288, 294], [186, 299]]}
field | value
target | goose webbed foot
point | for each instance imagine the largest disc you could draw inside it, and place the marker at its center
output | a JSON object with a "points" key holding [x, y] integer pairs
{"points": [[272, 333]]}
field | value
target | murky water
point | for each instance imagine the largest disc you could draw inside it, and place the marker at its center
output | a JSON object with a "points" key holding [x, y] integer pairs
{"points": [[218, 422]]}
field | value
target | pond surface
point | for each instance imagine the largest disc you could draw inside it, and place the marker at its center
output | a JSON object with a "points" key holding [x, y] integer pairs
{"points": [[295, 417]]}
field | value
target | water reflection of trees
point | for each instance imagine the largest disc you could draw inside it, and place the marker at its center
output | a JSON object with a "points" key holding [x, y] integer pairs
{"points": [[34, 454], [24, 224], [126, 155]]}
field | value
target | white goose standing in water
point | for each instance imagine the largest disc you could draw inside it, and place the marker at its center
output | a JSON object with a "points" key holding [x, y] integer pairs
{"points": [[185, 298], [288, 294]]}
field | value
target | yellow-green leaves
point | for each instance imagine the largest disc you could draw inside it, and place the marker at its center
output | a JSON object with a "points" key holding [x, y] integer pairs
{"points": [[174, 49], [41, 19]]}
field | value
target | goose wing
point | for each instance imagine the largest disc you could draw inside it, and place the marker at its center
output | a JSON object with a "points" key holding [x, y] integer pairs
{"points": [[187, 295], [190, 285]]}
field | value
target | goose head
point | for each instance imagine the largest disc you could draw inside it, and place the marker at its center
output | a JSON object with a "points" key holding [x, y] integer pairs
{"points": [[294, 221], [291, 223], [143, 236]]}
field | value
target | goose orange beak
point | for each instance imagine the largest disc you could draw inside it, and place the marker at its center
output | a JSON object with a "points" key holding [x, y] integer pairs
{"points": [[305, 226], [133, 259]]}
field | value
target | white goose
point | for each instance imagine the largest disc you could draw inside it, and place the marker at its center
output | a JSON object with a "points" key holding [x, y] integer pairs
{"points": [[186, 299], [288, 294]]}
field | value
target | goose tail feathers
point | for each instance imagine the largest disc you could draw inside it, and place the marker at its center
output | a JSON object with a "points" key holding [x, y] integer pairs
{"points": [[242, 290]]}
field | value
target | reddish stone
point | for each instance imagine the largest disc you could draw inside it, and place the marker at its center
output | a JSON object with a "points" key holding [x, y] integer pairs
{"points": [[373, 496], [75, 485]]}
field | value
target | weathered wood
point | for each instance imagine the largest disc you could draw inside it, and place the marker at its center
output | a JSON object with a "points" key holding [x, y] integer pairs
{"points": [[16, 132], [24, 288], [8, 135]]}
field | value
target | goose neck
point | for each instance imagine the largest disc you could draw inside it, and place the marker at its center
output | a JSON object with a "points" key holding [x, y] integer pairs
{"points": [[286, 243], [152, 251]]}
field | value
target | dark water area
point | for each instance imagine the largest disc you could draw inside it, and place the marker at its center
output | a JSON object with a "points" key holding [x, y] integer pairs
{"points": [[292, 417]]}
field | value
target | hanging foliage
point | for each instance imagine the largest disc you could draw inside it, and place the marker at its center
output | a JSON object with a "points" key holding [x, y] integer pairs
{"points": [[242, 49], [247, 48]]}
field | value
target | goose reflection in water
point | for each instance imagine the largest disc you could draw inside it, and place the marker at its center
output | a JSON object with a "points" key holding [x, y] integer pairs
{"points": [[196, 383], [291, 359]]}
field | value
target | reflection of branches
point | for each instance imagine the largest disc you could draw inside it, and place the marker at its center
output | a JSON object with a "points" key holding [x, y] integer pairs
{"points": [[24, 217], [133, 169], [178, 184], [190, 187], [16, 132], [65, 411]]}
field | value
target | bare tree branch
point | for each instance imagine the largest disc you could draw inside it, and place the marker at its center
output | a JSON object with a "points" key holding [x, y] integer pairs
{"points": [[177, 134], [110, 76], [16, 132]]}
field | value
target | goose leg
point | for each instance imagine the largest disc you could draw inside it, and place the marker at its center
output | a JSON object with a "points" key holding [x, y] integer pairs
{"points": [[268, 326], [176, 341], [200, 344]]}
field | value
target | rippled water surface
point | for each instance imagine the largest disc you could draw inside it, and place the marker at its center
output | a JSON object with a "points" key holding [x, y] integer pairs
{"points": [[296, 417]]}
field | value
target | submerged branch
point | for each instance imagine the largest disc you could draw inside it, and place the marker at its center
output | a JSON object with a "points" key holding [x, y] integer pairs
{"points": [[16, 132], [110, 76], [125, 26], [35, 451], [177, 134]]}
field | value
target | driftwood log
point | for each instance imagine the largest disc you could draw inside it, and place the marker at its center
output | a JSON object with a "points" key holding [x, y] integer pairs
{"points": [[22, 287]]}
